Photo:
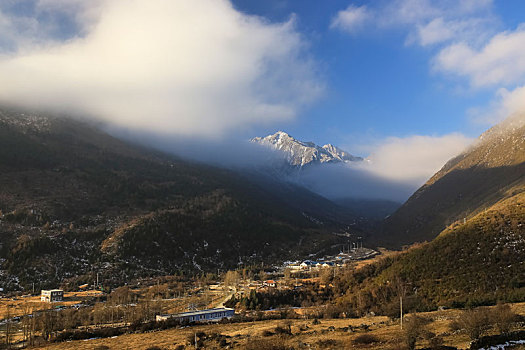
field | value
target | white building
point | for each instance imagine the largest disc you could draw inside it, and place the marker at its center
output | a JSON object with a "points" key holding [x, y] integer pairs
{"points": [[52, 295]]}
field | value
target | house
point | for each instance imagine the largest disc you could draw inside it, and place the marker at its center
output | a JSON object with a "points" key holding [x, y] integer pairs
{"points": [[209, 315], [52, 295], [269, 283]]}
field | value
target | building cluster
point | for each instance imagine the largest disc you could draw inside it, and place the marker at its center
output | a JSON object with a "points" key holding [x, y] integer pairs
{"points": [[344, 257], [310, 265]]}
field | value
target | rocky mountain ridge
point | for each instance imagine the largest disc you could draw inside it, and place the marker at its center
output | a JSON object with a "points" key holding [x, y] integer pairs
{"points": [[300, 153]]}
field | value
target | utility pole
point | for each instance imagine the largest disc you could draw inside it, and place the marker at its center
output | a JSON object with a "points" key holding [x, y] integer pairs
{"points": [[401, 310]]}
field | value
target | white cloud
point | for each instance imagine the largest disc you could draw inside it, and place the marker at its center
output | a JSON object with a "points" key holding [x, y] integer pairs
{"points": [[414, 159], [16, 31], [506, 103], [351, 19], [440, 30], [434, 32], [512, 102], [44, 22], [500, 61], [420, 11], [83, 13], [182, 67], [428, 22]]}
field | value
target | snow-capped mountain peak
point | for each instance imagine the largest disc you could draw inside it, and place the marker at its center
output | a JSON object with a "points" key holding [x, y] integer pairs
{"points": [[300, 153]]}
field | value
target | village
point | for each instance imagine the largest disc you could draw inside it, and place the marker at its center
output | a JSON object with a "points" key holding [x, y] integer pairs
{"points": [[348, 254], [276, 305], [30, 319]]}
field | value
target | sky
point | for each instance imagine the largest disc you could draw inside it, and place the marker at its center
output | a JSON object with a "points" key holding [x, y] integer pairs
{"points": [[407, 83], [386, 70]]}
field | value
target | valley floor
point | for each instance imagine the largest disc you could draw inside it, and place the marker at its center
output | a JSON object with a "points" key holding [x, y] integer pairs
{"points": [[327, 334]]}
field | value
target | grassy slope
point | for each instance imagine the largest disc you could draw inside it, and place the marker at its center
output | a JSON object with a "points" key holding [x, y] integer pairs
{"points": [[477, 262]]}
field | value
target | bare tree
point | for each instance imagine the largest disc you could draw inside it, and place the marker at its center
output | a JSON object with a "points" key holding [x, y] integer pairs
{"points": [[231, 279], [8, 334]]}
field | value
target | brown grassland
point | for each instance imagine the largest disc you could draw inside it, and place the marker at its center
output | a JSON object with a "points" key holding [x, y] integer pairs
{"points": [[327, 334], [22, 305]]}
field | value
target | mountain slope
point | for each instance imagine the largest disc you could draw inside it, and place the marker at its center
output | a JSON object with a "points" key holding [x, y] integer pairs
{"points": [[299, 153], [491, 170], [478, 262], [73, 198]]}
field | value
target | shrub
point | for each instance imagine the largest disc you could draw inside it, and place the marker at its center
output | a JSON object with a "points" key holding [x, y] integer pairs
{"points": [[365, 339], [267, 333], [267, 344], [285, 328], [434, 341], [474, 322], [414, 329], [327, 343], [199, 336], [502, 317]]}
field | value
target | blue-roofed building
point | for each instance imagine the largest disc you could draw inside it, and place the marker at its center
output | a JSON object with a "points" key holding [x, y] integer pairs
{"points": [[208, 315]]}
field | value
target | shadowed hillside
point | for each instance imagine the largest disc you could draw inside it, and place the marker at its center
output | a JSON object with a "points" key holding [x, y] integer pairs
{"points": [[73, 198], [491, 170]]}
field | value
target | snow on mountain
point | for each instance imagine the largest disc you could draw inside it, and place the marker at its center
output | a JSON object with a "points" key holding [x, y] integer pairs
{"points": [[301, 153], [25, 122]]}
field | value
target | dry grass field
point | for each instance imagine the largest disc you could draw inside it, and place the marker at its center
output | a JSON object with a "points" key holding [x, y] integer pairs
{"points": [[327, 334], [23, 305]]}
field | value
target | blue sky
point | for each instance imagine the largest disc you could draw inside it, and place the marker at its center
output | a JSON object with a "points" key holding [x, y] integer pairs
{"points": [[377, 84]]}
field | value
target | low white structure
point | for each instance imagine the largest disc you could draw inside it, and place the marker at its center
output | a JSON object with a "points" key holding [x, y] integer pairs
{"points": [[52, 295], [209, 315]]}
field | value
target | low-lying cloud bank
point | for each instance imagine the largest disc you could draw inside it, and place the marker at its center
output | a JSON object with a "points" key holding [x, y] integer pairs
{"points": [[178, 67], [395, 168]]}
